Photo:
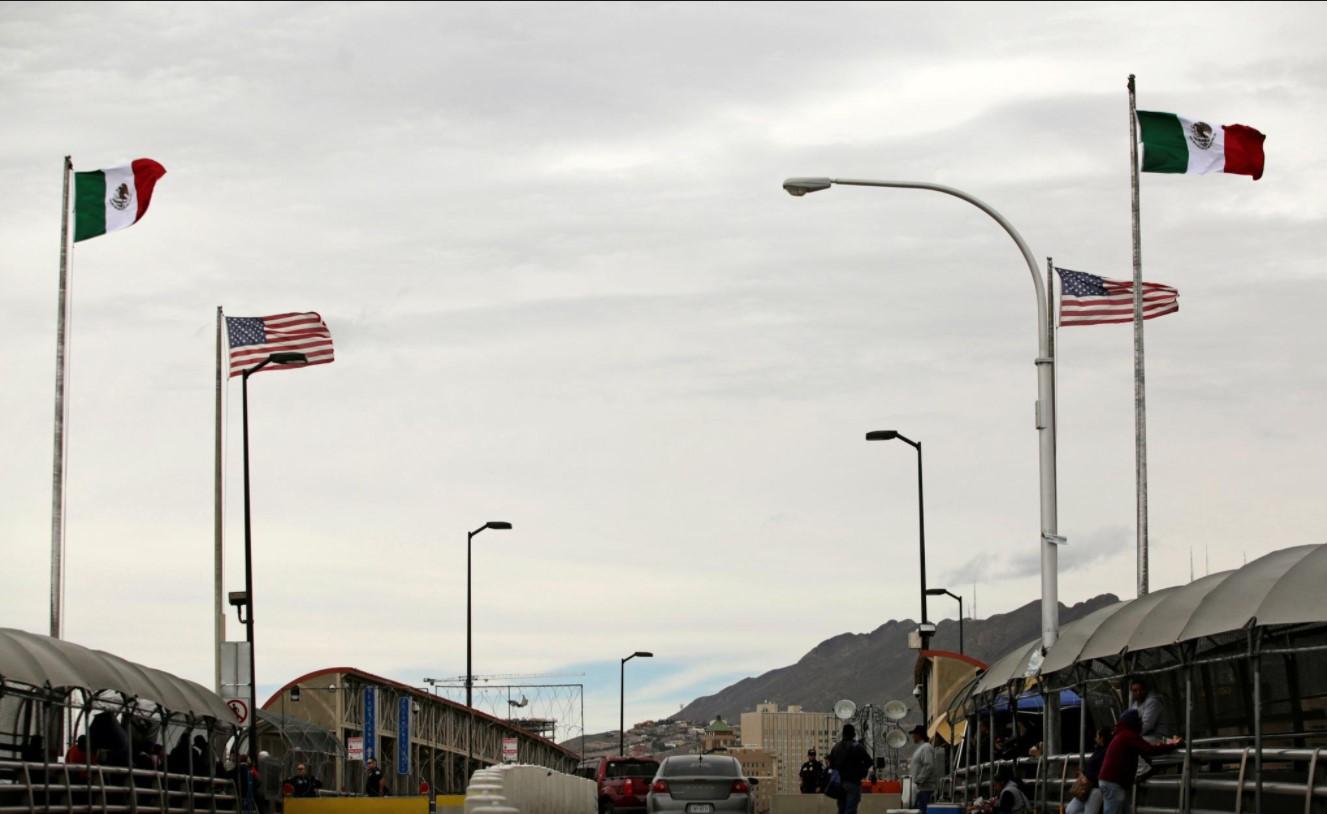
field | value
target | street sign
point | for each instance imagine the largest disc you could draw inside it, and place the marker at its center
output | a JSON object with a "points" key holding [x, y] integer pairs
{"points": [[241, 709], [235, 671], [371, 722], [355, 749], [509, 750], [403, 735]]}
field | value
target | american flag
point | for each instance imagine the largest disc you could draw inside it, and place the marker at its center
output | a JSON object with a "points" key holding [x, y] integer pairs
{"points": [[1086, 299], [253, 339]]}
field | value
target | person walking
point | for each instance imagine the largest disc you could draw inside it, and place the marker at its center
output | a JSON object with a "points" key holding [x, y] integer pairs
{"points": [[850, 760], [812, 774], [1120, 765], [922, 768]]}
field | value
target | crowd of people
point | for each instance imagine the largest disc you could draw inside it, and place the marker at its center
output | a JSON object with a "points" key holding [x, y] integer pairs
{"points": [[107, 743], [1106, 779], [1119, 759]]}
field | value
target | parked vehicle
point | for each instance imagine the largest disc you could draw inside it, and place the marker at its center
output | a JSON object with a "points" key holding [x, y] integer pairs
{"points": [[623, 781], [701, 784]]}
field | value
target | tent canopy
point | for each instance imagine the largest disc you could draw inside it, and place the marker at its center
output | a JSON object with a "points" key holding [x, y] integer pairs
{"points": [[41, 661], [1280, 588]]}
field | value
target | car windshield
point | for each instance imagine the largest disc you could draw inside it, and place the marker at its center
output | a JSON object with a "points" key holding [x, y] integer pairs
{"points": [[632, 768], [701, 767]]}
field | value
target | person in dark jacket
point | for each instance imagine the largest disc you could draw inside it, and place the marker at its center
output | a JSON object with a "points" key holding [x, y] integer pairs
{"points": [[812, 774], [303, 784], [1120, 764], [1089, 800], [375, 784], [850, 760]]}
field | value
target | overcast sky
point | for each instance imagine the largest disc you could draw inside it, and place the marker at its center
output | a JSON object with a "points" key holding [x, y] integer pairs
{"points": [[567, 291]]}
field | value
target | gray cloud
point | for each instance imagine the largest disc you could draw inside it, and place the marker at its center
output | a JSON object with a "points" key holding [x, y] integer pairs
{"points": [[566, 288]]}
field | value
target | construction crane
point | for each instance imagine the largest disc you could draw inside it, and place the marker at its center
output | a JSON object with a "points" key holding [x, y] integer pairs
{"points": [[460, 680]]}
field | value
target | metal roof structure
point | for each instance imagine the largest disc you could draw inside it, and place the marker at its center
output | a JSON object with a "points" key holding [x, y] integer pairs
{"points": [[46, 663], [1280, 588]]}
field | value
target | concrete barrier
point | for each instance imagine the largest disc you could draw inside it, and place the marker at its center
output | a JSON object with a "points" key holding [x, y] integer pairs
{"points": [[520, 789], [820, 804]]}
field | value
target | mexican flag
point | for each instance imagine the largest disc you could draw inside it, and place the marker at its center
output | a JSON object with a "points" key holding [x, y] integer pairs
{"points": [[1173, 143], [108, 200]]}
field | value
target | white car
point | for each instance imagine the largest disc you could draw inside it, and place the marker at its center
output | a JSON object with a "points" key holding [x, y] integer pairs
{"points": [[700, 784]]}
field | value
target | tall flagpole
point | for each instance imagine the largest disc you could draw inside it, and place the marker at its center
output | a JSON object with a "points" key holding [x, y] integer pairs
{"points": [[218, 606], [61, 412], [1139, 385]]}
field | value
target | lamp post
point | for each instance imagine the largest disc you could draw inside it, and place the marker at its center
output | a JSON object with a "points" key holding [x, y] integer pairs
{"points": [[924, 628], [496, 525], [947, 592], [622, 700], [284, 358], [1045, 413]]}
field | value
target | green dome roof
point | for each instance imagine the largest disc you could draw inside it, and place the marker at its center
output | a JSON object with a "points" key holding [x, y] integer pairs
{"points": [[719, 725]]}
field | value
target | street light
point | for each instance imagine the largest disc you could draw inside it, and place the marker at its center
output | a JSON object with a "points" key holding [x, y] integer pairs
{"points": [[622, 700], [1045, 413], [245, 605], [496, 525], [924, 628], [947, 592]]}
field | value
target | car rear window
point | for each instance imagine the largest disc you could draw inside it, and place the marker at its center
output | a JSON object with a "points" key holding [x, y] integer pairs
{"points": [[633, 768], [695, 767]]}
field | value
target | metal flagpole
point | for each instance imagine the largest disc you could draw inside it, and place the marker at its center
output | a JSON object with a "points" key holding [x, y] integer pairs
{"points": [[218, 607], [61, 413], [1139, 388]]}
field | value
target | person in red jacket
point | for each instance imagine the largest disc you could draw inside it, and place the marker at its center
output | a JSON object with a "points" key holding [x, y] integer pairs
{"points": [[1120, 765]]}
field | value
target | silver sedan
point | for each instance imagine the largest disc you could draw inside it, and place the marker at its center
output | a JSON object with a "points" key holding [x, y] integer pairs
{"points": [[700, 784]]}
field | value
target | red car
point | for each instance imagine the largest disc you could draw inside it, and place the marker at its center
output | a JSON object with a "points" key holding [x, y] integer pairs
{"points": [[623, 781]]}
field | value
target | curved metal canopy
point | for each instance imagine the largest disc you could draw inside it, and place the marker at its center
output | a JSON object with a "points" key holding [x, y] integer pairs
{"points": [[41, 661], [1280, 588]]}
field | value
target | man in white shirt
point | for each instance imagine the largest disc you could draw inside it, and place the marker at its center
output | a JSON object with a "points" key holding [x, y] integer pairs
{"points": [[922, 767]]}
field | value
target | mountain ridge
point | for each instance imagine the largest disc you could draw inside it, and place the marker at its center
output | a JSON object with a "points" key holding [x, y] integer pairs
{"points": [[875, 667]]}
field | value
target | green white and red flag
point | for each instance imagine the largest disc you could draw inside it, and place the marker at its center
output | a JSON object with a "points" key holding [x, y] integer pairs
{"points": [[112, 199], [1172, 143]]}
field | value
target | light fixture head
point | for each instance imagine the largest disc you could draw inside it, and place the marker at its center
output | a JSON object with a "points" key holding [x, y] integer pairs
{"points": [[882, 435], [288, 358], [497, 525], [798, 187]]}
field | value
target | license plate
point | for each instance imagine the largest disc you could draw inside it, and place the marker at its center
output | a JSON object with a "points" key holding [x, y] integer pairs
{"points": [[700, 808]]}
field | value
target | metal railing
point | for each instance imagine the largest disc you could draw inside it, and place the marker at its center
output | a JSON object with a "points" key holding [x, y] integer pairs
{"points": [[1052, 778], [54, 788]]}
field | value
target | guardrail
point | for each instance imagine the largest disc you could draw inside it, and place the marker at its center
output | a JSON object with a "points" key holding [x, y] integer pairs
{"points": [[520, 789], [1052, 778], [84, 789]]}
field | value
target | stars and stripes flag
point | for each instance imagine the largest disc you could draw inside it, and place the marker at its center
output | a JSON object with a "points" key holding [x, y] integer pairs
{"points": [[1086, 299], [253, 339]]}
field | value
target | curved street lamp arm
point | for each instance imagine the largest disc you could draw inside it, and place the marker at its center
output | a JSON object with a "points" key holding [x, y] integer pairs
{"points": [[1043, 335]]}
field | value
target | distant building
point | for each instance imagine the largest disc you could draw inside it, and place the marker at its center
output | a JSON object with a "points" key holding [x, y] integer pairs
{"points": [[763, 766], [719, 735], [788, 735]]}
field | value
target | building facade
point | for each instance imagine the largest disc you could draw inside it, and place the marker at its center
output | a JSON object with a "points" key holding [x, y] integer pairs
{"points": [[787, 735], [762, 766]]}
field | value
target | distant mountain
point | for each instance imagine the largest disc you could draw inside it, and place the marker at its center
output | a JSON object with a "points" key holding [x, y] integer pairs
{"points": [[876, 667]]}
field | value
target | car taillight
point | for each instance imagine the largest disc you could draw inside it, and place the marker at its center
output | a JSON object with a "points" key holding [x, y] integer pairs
{"points": [[660, 787], [626, 786], [740, 787]]}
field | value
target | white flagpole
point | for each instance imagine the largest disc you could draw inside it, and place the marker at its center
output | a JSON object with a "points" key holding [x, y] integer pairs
{"points": [[61, 413], [1139, 384], [218, 604]]}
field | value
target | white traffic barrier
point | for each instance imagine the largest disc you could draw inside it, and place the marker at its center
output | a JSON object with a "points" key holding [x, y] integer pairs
{"points": [[520, 789]]}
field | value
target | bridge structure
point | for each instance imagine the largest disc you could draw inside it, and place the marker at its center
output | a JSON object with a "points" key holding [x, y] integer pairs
{"points": [[338, 701]]}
